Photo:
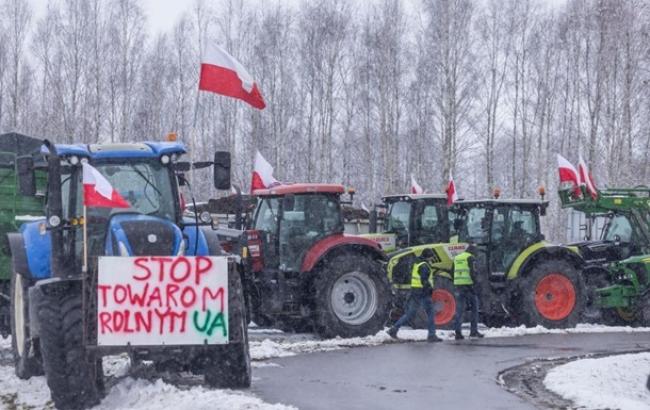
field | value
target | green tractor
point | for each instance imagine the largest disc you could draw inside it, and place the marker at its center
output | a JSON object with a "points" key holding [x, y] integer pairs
{"points": [[408, 220], [628, 297], [523, 278], [624, 238], [14, 209]]}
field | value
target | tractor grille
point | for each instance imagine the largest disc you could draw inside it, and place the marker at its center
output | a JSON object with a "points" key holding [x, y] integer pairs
{"points": [[139, 234]]}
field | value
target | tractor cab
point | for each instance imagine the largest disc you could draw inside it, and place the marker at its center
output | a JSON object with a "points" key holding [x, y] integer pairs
{"points": [[303, 272], [409, 220], [500, 228], [290, 219]]}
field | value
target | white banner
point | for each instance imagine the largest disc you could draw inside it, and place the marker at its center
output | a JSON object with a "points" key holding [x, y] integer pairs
{"points": [[162, 300]]}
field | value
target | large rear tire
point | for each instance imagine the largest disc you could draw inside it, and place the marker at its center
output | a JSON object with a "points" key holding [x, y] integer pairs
{"points": [[27, 360], [73, 375], [229, 366], [552, 294], [353, 297]]}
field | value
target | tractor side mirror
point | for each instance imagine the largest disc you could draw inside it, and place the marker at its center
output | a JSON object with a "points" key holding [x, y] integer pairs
{"points": [[222, 170], [26, 176]]}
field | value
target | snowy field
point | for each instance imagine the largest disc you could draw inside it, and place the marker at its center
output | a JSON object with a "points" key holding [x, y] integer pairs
{"points": [[614, 382], [153, 393]]}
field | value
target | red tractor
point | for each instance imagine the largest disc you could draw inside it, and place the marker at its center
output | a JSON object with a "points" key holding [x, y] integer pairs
{"points": [[304, 273]]}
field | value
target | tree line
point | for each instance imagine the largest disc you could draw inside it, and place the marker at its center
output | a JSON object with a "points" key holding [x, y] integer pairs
{"points": [[359, 93]]}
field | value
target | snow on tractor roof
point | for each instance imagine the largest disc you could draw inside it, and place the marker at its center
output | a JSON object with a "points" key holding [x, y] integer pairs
{"points": [[301, 188]]}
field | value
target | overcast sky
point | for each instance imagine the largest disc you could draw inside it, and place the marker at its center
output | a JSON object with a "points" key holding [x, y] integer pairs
{"points": [[161, 14]]}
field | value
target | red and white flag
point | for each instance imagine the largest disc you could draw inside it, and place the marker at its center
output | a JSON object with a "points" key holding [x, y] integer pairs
{"points": [[415, 187], [452, 195], [98, 192], [222, 74], [568, 174], [262, 174], [587, 179]]}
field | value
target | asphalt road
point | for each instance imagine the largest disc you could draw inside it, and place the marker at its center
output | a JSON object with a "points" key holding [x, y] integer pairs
{"points": [[401, 376]]}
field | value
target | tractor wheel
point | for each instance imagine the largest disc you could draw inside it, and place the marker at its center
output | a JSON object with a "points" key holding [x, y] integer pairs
{"points": [[622, 317], [444, 305], [552, 295], [645, 311], [353, 297], [27, 361], [229, 366], [494, 321], [72, 374]]}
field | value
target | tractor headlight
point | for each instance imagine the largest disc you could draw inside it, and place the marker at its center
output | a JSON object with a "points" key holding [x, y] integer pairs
{"points": [[122, 249], [164, 159], [205, 217], [74, 160], [54, 221]]}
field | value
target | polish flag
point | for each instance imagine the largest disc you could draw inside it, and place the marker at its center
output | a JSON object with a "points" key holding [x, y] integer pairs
{"points": [[415, 187], [98, 192], [262, 174], [222, 74], [587, 179], [568, 174], [452, 195]]}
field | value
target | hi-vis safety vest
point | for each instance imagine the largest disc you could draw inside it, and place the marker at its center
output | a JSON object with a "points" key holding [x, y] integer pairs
{"points": [[462, 275], [416, 283]]}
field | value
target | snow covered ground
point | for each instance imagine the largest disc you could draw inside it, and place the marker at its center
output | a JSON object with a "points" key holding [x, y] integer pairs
{"points": [[614, 382], [266, 344]]}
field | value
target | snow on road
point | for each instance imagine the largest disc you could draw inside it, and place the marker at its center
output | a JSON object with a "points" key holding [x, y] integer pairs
{"points": [[613, 382], [133, 393]]}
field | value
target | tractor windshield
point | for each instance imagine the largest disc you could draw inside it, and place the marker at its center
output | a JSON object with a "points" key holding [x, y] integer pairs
{"points": [[618, 229], [146, 186], [397, 219]]}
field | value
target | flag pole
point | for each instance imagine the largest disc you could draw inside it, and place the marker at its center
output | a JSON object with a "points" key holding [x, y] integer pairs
{"points": [[85, 240]]}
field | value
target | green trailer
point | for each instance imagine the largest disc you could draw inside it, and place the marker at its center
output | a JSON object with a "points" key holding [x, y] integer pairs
{"points": [[14, 208]]}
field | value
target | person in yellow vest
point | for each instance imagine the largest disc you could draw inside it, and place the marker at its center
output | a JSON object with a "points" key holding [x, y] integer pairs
{"points": [[466, 292], [421, 288]]}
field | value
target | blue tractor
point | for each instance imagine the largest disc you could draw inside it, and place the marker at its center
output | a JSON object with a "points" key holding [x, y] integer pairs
{"points": [[54, 317]]}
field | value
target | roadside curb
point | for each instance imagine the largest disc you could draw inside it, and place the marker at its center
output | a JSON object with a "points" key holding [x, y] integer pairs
{"points": [[527, 380]]}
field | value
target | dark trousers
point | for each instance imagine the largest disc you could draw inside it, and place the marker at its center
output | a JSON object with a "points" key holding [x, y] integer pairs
{"points": [[415, 300], [466, 294]]}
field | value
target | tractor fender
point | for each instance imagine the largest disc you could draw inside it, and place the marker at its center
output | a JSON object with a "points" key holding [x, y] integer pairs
{"points": [[336, 243], [18, 254], [542, 250]]}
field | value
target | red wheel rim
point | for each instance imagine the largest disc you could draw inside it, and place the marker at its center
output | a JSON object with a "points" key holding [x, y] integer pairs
{"points": [[445, 305], [555, 296]]}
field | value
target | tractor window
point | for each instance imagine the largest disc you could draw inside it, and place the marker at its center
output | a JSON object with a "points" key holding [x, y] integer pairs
{"points": [[146, 186], [620, 227], [398, 217], [499, 217], [429, 217], [267, 215], [475, 226], [523, 225]]}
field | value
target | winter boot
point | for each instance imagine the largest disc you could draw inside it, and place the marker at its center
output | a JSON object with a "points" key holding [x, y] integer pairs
{"points": [[433, 339], [476, 334], [459, 336], [392, 332]]}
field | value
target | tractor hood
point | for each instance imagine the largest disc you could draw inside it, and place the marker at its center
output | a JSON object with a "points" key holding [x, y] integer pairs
{"points": [[600, 251], [131, 234]]}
